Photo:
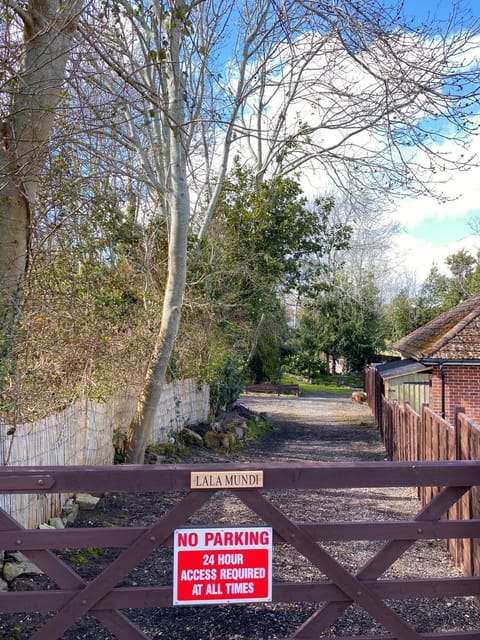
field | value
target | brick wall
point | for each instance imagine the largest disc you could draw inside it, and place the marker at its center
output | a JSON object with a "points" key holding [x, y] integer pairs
{"points": [[462, 389]]}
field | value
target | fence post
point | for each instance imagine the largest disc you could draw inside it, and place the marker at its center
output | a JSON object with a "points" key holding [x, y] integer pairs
{"points": [[458, 427]]}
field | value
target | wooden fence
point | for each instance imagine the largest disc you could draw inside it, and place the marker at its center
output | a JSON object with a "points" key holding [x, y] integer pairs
{"points": [[409, 436]]}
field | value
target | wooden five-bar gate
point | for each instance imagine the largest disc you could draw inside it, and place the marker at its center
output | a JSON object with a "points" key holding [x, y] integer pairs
{"points": [[104, 599]]}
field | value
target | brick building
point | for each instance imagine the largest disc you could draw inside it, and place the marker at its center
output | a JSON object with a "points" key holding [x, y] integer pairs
{"points": [[450, 345]]}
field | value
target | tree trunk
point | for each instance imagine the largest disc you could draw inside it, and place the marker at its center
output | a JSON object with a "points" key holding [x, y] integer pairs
{"points": [[48, 33], [141, 427], [14, 231]]}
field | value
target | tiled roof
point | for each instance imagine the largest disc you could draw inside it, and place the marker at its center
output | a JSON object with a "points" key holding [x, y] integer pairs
{"points": [[454, 334]]}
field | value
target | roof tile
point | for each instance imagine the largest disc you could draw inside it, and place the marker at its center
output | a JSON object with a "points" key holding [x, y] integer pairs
{"points": [[453, 334]]}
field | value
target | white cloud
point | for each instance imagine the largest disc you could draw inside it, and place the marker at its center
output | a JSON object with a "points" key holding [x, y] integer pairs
{"points": [[461, 188], [336, 98], [417, 256]]}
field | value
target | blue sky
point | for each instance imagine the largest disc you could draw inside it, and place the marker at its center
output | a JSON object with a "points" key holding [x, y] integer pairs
{"points": [[440, 8], [433, 230], [441, 232]]}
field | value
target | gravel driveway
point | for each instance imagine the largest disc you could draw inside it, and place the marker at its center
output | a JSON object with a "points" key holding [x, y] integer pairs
{"points": [[323, 428]]}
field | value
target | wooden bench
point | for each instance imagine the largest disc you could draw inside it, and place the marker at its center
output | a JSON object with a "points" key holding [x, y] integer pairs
{"points": [[273, 388]]}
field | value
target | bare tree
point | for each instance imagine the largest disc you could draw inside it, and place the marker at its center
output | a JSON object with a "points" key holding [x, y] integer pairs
{"points": [[364, 98], [349, 93], [150, 81]]}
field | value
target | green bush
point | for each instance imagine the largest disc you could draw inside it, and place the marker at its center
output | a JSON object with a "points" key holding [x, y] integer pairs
{"points": [[226, 384], [301, 364]]}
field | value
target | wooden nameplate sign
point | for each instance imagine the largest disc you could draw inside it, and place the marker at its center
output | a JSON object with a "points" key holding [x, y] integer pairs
{"points": [[226, 479]]}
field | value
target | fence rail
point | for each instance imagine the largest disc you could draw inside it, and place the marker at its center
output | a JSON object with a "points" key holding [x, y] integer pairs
{"points": [[367, 588]]}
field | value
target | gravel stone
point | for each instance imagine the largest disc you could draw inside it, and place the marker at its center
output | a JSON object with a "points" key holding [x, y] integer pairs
{"points": [[315, 428]]}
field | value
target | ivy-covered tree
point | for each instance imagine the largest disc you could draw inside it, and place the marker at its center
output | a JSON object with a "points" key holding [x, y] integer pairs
{"points": [[85, 322], [264, 241], [36, 42]]}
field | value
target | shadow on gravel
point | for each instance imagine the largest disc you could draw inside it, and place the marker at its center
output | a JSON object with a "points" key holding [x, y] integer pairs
{"points": [[321, 427]]}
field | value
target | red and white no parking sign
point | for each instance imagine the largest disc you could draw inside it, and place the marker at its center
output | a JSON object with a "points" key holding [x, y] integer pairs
{"points": [[222, 565]]}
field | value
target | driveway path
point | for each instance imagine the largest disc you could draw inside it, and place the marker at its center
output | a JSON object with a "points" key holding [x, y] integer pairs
{"points": [[318, 427], [327, 427], [324, 428]]}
